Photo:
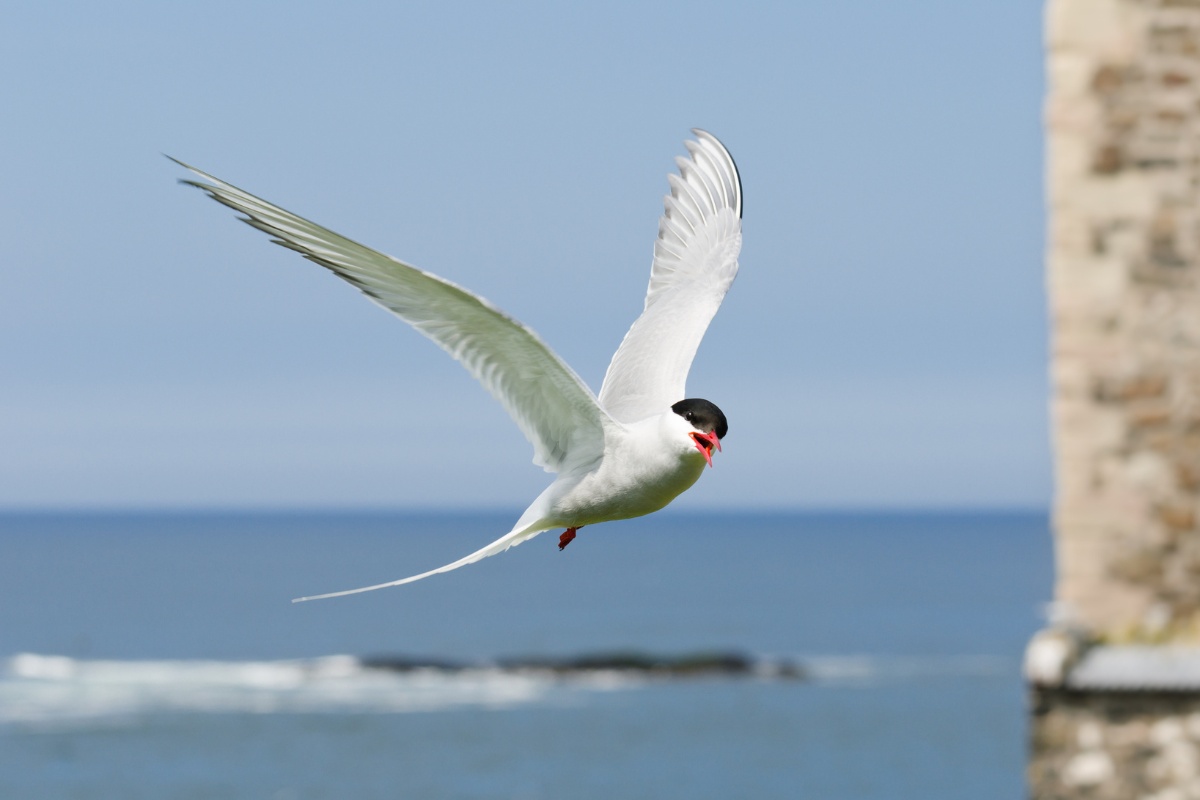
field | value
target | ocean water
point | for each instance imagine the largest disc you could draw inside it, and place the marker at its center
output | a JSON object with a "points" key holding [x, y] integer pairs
{"points": [[158, 656]]}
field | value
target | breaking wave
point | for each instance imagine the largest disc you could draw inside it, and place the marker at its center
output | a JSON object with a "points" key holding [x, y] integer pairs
{"points": [[49, 689], [41, 688]]}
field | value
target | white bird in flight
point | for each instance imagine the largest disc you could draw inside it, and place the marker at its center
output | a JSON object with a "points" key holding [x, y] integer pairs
{"points": [[641, 442]]}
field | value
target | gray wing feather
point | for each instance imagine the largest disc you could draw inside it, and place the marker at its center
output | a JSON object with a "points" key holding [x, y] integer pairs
{"points": [[549, 402]]}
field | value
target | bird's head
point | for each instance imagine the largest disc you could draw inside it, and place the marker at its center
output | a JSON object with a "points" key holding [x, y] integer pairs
{"points": [[708, 425]]}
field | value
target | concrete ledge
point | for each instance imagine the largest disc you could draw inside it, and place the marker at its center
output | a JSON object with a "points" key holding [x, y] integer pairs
{"points": [[1140, 668]]}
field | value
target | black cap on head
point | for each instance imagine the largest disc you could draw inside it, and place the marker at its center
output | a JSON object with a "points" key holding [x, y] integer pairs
{"points": [[705, 416]]}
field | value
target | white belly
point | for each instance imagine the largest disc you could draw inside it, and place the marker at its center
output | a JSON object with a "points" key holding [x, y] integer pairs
{"points": [[641, 484]]}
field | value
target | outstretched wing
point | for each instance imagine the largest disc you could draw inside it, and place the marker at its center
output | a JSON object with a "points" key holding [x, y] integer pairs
{"points": [[695, 261], [552, 406]]}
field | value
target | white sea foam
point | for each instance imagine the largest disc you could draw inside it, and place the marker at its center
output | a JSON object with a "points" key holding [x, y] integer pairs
{"points": [[891, 669], [42, 688], [56, 689]]}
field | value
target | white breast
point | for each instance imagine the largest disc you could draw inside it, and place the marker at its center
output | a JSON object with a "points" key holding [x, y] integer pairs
{"points": [[641, 472]]}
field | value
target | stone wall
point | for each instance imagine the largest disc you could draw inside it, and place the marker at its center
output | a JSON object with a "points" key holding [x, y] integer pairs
{"points": [[1123, 182], [1116, 745], [1122, 719]]}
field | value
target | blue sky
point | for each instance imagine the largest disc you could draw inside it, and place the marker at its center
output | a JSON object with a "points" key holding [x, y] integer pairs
{"points": [[883, 346]]}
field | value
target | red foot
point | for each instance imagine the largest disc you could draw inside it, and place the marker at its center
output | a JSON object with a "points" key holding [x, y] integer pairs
{"points": [[567, 537]]}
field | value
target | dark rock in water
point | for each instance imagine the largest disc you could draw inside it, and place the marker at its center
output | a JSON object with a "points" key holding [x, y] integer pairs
{"points": [[400, 663], [632, 661], [688, 665]]}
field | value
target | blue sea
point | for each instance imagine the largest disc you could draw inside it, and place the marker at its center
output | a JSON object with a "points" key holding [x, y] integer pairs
{"points": [[157, 655]]}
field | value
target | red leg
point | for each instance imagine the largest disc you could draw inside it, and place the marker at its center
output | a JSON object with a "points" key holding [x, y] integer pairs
{"points": [[567, 537]]}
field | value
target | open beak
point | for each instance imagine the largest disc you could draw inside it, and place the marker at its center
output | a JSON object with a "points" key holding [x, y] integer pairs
{"points": [[705, 442]]}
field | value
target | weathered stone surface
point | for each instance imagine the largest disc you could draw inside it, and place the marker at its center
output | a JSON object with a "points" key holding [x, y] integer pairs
{"points": [[1115, 745], [1123, 178], [1123, 274]]}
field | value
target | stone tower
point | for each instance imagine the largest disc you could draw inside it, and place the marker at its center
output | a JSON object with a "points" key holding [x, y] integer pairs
{"points": [[1115, 680], [1123, 127]]}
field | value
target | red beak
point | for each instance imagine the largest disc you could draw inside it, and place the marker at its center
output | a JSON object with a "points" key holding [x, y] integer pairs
{"points": [[705, 442]]}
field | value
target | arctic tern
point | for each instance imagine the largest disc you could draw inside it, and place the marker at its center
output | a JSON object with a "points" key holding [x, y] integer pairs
{"points": [[626, 452]]}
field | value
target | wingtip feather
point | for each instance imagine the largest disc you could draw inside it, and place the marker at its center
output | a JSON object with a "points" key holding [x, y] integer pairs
{"points": [[706, 138]]}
